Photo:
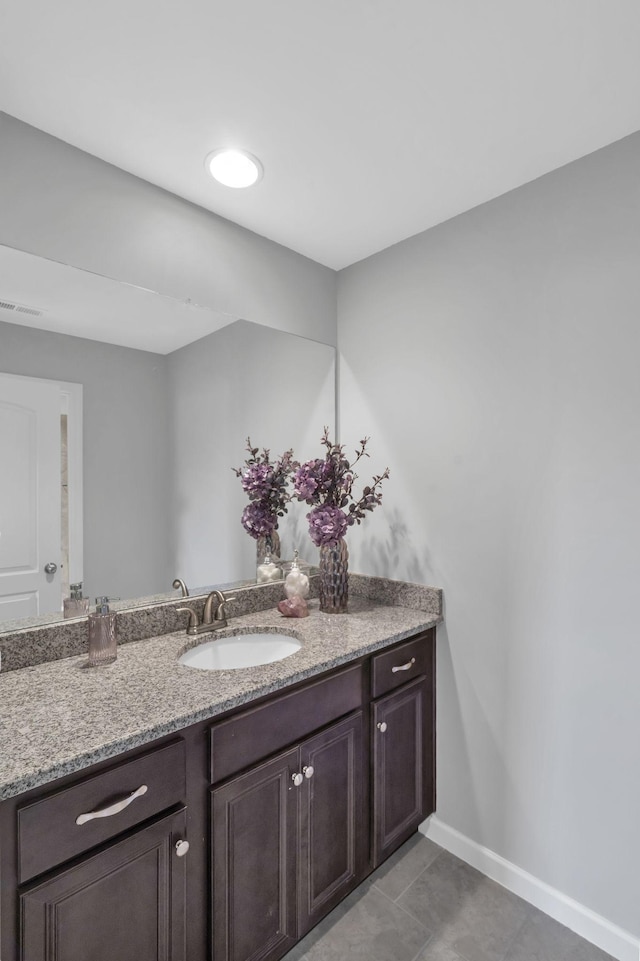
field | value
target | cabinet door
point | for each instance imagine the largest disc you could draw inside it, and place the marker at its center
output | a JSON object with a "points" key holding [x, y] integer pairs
{"points": [[126, 902], [332, 834], [402, 766], [254, 862]]}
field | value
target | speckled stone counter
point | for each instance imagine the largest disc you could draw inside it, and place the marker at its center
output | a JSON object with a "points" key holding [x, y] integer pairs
{"points": [[59, 717], [32, 644]]}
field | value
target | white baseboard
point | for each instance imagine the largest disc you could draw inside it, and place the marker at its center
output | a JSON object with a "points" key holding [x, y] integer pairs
{"points": [[589, 925]]}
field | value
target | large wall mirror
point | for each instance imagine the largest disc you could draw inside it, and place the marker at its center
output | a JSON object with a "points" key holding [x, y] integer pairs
{"points": [[153, 399]]}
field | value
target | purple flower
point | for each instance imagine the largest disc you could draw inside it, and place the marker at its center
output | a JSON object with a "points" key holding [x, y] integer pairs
{"points": [[257, 480], [305, 481], [328, 472], [327, 525], [257, 521], [265, 483], [328, 483]]}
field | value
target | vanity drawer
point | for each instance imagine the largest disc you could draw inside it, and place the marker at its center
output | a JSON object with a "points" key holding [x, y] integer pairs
{"points": [[261, 731], [392, 668], [48, 833]]}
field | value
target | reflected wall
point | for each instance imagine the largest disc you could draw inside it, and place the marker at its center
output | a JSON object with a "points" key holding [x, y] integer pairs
{"points": [[125, 452], [161, 434], [242, 381]]}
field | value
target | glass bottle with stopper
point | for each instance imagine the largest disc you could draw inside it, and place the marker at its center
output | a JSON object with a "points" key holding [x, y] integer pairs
{"points": [[296, 583]]}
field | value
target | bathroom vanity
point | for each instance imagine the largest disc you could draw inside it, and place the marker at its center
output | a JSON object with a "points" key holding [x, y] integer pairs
{"points": [[232, 834]]}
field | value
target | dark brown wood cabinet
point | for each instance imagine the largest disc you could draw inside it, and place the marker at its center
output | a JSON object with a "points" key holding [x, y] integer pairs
{"points": [[289, 843], [403, 742], [127, 901], [401, 777], [254, 862], [333, 808], [287, 805]]}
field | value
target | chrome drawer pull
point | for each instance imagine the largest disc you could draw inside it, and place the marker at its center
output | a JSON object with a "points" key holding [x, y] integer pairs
{"points": [[114, 808], [404, 667]]}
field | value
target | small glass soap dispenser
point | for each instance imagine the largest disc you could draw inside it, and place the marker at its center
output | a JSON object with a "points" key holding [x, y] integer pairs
{"points": [[103, 647], [267, 571], [296, 583], [76, 605]]}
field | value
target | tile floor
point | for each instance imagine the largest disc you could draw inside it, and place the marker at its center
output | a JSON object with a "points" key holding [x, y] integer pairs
{"points": [[424, 904]]}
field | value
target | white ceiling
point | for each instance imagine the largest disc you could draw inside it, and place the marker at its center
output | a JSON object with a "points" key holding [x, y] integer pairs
{"points": [[374, 119]]}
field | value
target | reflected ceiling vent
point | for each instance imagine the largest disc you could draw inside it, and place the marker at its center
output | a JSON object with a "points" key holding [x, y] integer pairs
{"points": [[21, 308]]}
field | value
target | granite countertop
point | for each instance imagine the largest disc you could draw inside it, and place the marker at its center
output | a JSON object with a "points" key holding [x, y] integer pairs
{"points": [[59, 717]]}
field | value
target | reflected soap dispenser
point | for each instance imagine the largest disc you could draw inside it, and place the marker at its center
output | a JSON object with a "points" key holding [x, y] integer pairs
{"points": [[76, 605], [267, 571], [296, 583], [103, 648]]}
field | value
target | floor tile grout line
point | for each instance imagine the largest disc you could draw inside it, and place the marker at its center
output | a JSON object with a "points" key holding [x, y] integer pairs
{"points": [[417, 878], [408, 914], [420, 950], [462, 957], [404, 890], [517, 933]]}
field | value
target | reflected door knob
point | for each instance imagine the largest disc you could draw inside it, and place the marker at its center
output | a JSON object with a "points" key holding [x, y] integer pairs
{"points": [[50, 568]]}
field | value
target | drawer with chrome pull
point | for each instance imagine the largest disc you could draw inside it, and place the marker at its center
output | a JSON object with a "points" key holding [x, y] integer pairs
{"points": [[392, 668], [95, 809]]}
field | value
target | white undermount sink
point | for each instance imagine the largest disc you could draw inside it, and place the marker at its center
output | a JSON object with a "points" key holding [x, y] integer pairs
{"points": [[240, 650]]}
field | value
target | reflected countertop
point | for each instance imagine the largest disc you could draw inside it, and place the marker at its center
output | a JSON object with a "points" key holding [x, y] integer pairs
{"points": [[59, 717]]}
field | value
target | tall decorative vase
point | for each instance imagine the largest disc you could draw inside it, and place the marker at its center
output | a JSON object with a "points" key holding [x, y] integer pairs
{"points": [[269, 544], [334, 578]]}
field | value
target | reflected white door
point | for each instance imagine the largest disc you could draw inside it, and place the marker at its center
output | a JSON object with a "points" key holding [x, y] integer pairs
{"points": [[30, 497]]}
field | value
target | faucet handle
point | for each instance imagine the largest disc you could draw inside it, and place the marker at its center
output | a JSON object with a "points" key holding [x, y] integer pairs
{"points": [[192, 626], [221, 614]]}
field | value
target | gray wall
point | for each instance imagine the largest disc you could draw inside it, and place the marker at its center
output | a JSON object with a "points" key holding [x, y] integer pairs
{"points": [[494, 361], [61, 203], [125, 453]]}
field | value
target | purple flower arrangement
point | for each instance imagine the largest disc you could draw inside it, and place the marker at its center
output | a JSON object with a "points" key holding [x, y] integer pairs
{"points": [[265, 483], [326, 484]]}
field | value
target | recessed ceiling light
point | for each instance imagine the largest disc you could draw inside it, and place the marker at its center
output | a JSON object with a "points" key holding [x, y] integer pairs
{"points": [[234, 168]]}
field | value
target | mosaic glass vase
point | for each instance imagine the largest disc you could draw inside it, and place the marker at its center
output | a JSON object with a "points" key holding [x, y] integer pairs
{"points": [[268, 544], [334, 578]]}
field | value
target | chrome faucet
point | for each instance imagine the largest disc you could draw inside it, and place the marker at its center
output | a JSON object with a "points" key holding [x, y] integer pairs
{"points": [[211, 620]]}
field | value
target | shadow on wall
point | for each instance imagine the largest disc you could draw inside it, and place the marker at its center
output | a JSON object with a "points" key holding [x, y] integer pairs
{"points": [[395, 554]]}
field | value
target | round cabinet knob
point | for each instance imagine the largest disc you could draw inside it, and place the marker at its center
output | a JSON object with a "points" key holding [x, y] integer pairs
{"points": [[382, 726], [181, 848], [308, 772], [50, 568], [297, 779]]}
